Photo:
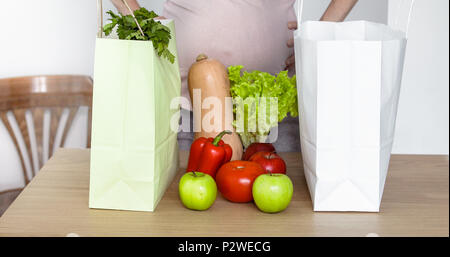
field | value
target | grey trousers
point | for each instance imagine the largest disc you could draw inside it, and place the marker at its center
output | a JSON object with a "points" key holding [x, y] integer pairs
{"points": [[288, 139]]}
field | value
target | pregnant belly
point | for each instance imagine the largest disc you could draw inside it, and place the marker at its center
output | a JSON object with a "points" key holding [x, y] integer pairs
{"points": [[252, 33]]}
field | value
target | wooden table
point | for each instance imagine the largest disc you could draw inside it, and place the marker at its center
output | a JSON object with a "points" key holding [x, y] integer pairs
{"points": [[55, 203]]}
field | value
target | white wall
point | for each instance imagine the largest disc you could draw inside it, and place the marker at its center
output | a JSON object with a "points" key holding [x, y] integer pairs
{"points": [[47, 37], [422, 122]]}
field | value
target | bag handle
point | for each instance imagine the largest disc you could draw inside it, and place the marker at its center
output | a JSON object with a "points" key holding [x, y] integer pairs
{"points": [[401, 4], [100, 18], [299, 12]]}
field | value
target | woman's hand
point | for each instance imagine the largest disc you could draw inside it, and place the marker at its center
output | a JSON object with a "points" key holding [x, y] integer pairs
{"points": [[337, 11], [133, 4], [290, 61], [122, 8]]}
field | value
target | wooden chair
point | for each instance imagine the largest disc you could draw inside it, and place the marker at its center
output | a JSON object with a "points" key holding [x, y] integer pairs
{"points": [[38, 112]]}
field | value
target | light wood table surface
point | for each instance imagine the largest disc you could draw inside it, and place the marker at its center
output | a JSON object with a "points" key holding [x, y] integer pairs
{"points": [[55, 203]]}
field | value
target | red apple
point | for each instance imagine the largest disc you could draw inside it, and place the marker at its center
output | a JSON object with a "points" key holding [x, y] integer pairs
{"points": [[270, 161], [257, 147]]}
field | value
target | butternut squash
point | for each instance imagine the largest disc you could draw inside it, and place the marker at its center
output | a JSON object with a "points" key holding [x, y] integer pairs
{"points": [[209, 77]]}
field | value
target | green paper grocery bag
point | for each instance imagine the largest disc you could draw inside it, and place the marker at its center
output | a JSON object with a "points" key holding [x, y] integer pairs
{"points": [[134, 150]]}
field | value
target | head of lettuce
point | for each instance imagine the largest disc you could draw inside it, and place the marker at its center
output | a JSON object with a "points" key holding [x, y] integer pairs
{"points": [[260, 102]]}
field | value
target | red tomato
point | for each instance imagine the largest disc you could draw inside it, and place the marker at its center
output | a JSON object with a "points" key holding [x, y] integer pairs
{"points": [[271, 162], [235, 180]]}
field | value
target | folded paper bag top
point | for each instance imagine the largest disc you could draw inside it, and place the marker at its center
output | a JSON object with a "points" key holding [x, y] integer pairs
{"points": [[348, 80], [134, 150]]}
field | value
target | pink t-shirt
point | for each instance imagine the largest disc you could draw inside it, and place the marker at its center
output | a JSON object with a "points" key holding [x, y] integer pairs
{"points": [[252, 33]]}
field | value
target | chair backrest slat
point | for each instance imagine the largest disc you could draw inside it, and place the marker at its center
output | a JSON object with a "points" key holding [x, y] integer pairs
{"points": [[56, 114], [9, 126], [32, 141], [38, 121], [72, 112], [23, 137]]}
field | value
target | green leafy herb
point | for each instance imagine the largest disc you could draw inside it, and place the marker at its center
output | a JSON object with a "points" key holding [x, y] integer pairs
{"points": [[153, 30], [261, 100]]}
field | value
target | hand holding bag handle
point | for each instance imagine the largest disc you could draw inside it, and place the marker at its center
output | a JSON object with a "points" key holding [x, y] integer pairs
{"points": [[100, 18], [299, 10]]}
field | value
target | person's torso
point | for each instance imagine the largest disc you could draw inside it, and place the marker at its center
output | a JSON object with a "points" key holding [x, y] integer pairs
{"points": [[252, 33]]}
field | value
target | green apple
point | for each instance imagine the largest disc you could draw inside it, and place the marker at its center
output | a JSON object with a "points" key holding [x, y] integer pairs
{"points": [[272, 192], [197, 190]]}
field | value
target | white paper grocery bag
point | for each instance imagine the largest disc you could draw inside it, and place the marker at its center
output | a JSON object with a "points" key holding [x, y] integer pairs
{"points": [[348, 80]]}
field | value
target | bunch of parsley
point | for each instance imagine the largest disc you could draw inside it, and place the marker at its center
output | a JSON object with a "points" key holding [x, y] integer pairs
{"points": [[260, 102], [153, 30]]}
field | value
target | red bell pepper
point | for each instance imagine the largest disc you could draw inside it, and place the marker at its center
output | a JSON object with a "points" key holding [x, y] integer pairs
{"points": [[208, 154]]}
